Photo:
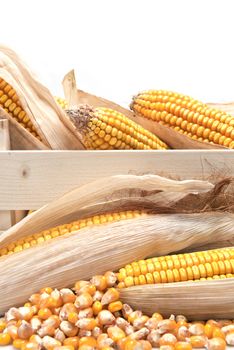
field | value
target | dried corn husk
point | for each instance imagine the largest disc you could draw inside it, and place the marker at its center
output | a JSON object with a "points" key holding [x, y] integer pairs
{"points": [[172, 138], [50, 121], [61, 261], [20, 137], [110, 194], [226, 107], [196, 300]]}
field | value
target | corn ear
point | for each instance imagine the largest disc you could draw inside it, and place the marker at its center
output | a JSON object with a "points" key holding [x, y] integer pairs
{"points": [[30, 105]]}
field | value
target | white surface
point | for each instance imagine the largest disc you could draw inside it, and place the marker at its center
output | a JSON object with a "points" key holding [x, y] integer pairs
{"points": [[121, 47]]}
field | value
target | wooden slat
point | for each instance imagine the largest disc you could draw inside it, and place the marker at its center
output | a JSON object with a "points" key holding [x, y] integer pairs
{"points": [[4, 135], [7, 218], [5, 215], [29, 180]]}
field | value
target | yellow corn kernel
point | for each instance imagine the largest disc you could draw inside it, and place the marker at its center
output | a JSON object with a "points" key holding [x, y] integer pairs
{"points": [[18, 343], [97, 307], [2, 325], [72, 317], [90, 341], [115, 306], [44, 313], [61, 102], [5, 339], [116, 333], [73, 341]]}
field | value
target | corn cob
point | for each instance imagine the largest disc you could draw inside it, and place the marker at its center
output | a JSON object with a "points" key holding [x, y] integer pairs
{"points": [[187, 116], [41, 237], [10, 102], [211, 264], [105, 128]]}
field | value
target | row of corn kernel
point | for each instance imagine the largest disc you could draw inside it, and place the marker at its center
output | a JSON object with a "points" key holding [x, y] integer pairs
{"points": [[91, 316], [9, 101], [204, 265], [41, 237]]}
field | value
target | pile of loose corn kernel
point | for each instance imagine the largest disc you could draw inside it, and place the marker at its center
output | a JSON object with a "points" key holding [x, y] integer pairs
{"points": [[91, 316]]}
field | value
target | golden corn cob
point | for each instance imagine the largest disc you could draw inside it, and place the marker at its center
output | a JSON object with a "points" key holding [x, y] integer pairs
{"points": [[46, 235], [211, 264], [105, 128], [10, 102], [187, 116]]}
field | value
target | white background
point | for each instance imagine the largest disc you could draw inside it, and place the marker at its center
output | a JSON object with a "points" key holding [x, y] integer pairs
{"points": [[121, 47]]}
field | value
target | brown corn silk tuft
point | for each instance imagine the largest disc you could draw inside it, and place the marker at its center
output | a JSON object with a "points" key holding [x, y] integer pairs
{"points": [[31, 108], [163, 230]]}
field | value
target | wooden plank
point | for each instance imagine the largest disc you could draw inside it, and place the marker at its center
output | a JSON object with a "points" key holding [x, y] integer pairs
{"points": [[7, 218], [5, 215], [4, 135], [29, 180]]}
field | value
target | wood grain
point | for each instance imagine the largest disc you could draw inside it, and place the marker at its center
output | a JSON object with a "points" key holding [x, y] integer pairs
{"points": [[28, 180]]}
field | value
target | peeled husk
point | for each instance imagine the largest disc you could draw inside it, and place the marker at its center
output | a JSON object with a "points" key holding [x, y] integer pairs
{"points": [[51, 122], [196, 300], [172, 138], [94, 250]]}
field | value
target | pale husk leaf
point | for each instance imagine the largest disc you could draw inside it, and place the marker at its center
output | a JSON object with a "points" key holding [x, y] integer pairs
{"points": [[226, 107], [50, 121], [115, 193], [172, 138], [21, 139], [62, 261], [195, 300]]}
